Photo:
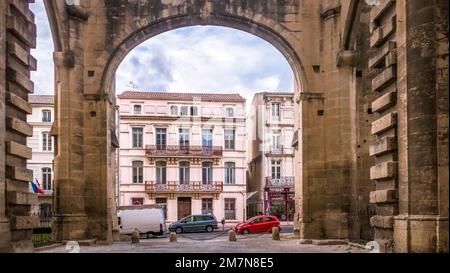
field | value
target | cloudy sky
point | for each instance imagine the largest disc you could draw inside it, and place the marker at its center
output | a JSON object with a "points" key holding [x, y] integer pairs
{"points": [[193, 59]]}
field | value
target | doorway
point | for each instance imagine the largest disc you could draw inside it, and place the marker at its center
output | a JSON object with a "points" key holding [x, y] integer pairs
{"points": [[184, 207]]}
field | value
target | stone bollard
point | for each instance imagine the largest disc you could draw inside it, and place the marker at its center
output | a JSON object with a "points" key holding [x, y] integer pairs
{"points": [[173, 237], [232, 236], [135, 237], [275, 234]]}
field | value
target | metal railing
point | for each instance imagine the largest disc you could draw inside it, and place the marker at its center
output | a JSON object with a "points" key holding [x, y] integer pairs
{"points": [[179, 150], [286, 182], [42, 235], [230, 215], [192, 187]]}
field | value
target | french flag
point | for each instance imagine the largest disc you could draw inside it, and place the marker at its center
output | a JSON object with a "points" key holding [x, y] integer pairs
{"points": [[36, 187]]}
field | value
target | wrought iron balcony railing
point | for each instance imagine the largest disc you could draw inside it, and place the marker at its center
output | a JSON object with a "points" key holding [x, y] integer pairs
{"points": [[284, 182], [178, 150], [175, 187]]}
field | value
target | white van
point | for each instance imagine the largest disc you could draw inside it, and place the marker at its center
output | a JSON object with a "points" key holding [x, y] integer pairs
{"points": [[147, 219]]}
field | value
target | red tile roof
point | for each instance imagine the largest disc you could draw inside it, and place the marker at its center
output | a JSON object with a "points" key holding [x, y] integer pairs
{"points": [[211, 97]]}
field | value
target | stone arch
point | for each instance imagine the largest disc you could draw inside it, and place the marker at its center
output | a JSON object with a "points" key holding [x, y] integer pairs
{"points": [[276, 38]]}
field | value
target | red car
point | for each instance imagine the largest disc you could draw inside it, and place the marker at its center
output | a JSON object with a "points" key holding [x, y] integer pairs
{"points": [[258, 224]]}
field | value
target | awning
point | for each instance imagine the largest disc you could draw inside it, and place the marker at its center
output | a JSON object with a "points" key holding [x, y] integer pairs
{"points": [[251, 194]]}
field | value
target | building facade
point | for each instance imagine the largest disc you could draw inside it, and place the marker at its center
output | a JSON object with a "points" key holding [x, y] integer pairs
{"points": [[42, 145], [271, 172], [185, 152]]}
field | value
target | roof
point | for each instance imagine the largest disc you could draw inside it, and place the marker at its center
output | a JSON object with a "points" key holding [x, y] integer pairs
{"points": [[41, 99], [209, 97]]}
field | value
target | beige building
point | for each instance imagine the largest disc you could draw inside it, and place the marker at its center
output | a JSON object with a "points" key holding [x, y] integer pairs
{"points": [[185, 152], [271, 172], [42, 145]]}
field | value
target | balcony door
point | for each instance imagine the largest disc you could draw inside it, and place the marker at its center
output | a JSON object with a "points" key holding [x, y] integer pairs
{"points": [[184, 173], [184, 140], [161, 172], [276, 140], [276, 170], [207, 173], [161, 138], [207, 138]]}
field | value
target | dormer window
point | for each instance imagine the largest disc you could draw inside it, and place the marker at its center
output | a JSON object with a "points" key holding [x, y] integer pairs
{"points": [[229, 112], [46, 116], [174, 110], [137, 109]]}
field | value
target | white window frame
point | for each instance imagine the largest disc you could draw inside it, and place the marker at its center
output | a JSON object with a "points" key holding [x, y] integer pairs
{"points": [[276, 111], [132, 137], [230, 173], [49, 140], [43, 115]]}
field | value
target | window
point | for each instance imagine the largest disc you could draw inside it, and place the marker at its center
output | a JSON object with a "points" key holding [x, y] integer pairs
{"points": [[276, 111], [229, 112], [47, 179], [137, 201], [194, 111], [230, 209], [207, 137], [161, 172], [184, 110], [230, 139], [174, 110], [230, 173], [163, 203], [46, 142], [137, 109], [207, 175], [46, 116], [161, 138], [184, 172], [276, 139], [184, 137], [276, 169], [138, 136], [207, 206], [138, 172]]}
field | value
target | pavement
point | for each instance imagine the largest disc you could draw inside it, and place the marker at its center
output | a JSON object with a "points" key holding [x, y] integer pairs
{"points": [[215, 242]]}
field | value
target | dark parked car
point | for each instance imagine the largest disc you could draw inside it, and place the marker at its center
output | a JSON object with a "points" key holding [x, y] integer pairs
{"points": [[195, 223], [258, 224]]}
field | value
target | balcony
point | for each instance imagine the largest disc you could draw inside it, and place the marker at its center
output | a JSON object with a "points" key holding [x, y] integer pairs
{"points": [[284, 182], [280, 151], [153, 187], [183, 151]]}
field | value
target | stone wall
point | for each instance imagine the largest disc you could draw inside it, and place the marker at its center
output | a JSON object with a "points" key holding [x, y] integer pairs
{"points": [[18, 36], [372, 111]]}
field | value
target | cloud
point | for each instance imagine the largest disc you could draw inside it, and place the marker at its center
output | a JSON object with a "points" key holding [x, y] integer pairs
{"points": [[206, 59], [194, 59]]}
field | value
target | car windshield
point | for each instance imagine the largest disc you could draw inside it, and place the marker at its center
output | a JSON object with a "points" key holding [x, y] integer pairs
{"points": [[252, 219]]}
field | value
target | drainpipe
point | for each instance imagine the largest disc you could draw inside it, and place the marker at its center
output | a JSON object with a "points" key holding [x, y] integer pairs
{"points": [[118, 157]]}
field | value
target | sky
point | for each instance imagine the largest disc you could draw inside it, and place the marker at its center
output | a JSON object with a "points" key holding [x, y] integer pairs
{"points": [[192, 59]]}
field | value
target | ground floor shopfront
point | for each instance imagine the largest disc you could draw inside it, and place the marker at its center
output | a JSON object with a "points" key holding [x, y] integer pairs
{"points": [[280, 202], [228, 206]]}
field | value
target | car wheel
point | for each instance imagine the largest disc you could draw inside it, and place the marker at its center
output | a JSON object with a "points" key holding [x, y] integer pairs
{"points": [[209, 229], [246, 231], [179, 230]]}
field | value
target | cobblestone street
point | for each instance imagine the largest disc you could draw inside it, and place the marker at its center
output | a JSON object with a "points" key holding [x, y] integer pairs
{"points": [[250, 244]]}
